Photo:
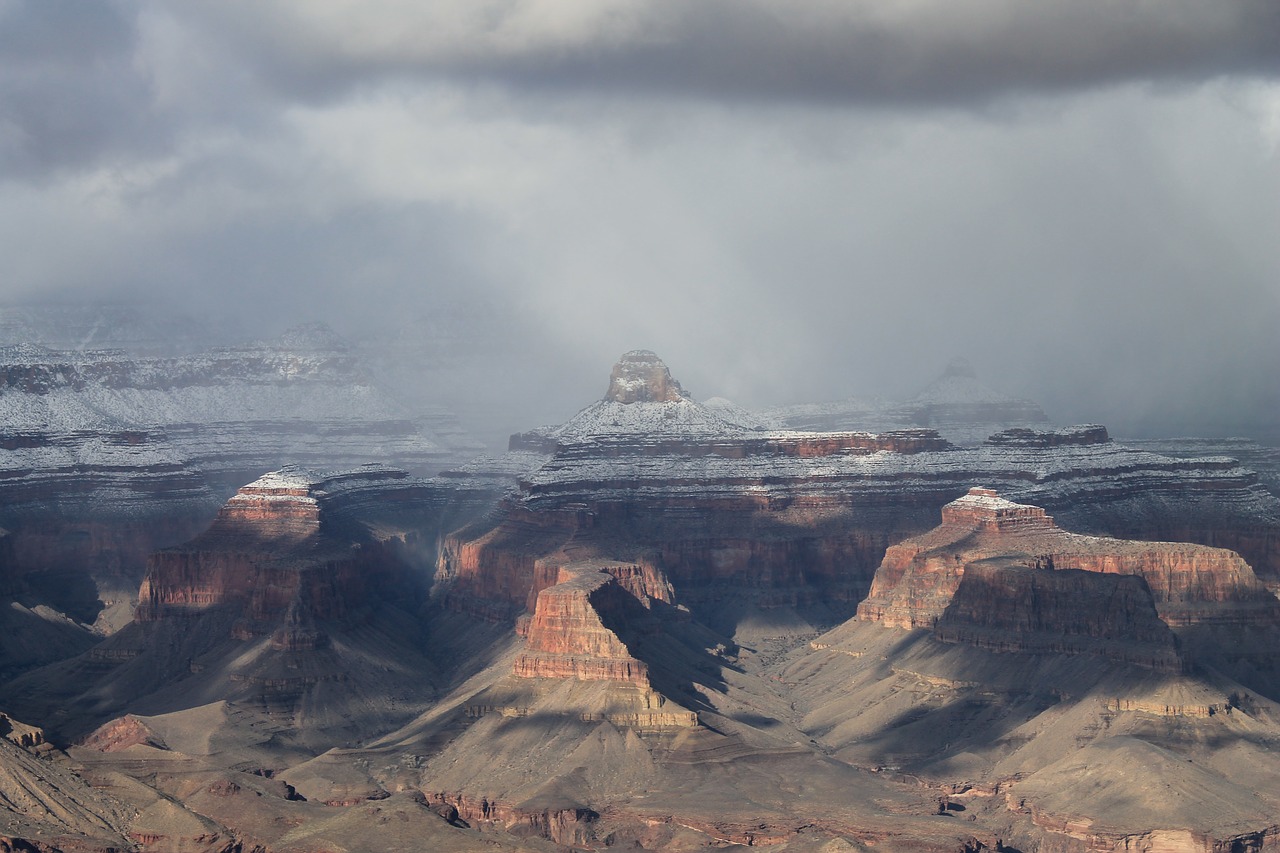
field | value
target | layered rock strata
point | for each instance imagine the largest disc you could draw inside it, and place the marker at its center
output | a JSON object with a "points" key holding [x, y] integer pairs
{"points": [[575, 633], [292, 546], [993, 574], [1261, 456], [566, 636], [304, 599], [1079, 474], [235, 411], [107, 456], [94, 501], [1006, 607], [803, 519]]}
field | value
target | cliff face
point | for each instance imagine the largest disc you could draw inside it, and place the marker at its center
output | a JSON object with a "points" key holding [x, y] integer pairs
{"points": [[108, 456], [578, 659], [641, 377], [489, 571], [1003, 575], [94, 501], [1093, 484], [288, 546], [804, 519], [1013, 608], [918, 577], [305, 398], [567, 637], [303, 599]]}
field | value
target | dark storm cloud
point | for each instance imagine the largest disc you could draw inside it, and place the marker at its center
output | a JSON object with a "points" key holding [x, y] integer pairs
{"points": [[789, 201], [931, 52], [83, 83]]}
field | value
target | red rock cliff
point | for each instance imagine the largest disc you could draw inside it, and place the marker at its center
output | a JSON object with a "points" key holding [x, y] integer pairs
{"points": [[1012, 608], [1190, 584], [567, 637]]}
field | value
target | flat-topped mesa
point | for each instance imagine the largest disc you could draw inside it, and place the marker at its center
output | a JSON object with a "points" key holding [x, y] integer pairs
{"points": [[294, 503], [641, 377], [280, 505], [1189, 584]]}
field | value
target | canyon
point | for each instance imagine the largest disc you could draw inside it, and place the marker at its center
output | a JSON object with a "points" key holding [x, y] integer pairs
{"points": [[109, 455], [747, 518], [660, 625]]}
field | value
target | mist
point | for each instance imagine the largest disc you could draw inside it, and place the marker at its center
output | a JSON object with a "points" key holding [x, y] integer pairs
{"points": [[788, 202]]}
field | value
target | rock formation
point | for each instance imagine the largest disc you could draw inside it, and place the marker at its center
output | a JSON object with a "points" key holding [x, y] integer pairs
{"points": [[301, 581], [1007, 607], [302, 399], [275, 552], [576, 633], [1260, 457], [566, 636], [735, 517], [107, 455], [1189, 584], [623, 648], [641, 377]]}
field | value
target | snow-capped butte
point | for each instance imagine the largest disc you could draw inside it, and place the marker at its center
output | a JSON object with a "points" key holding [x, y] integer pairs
{"points": [[643, 400]]}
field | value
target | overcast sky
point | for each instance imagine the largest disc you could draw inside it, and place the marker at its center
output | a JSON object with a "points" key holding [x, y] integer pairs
{"points": [[788, 200]]}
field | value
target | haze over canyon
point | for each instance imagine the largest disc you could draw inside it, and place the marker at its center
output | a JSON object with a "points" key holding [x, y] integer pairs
{"points": [[670, 425], [259, 600]]}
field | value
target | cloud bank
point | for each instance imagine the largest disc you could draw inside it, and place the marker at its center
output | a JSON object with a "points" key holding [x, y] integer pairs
{"points": [[788, 201]]}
